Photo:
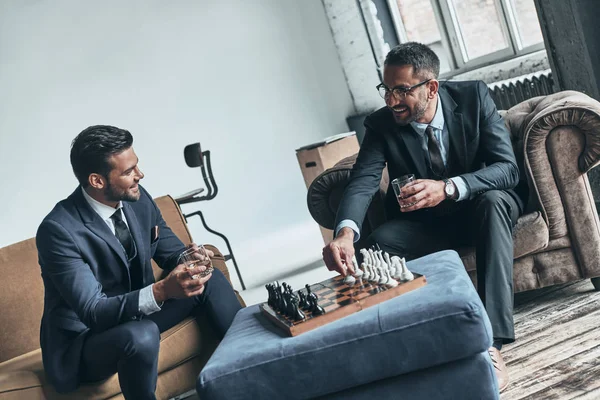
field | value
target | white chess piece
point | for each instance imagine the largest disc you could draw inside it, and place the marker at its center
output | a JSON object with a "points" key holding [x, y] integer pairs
{"points": [[391, 282], [373, 258], [375, 276], [366, 274], [382, 276], [391, 266], [357, 271], [349, 280], [406, 274], [397, 267]]}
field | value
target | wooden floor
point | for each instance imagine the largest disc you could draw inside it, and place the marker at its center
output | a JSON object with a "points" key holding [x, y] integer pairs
{"points": [[557, 351]]}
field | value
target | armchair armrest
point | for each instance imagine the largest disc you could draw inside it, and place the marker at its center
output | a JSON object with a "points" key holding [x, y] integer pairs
{"points": [[559, 136], [326, 191]]}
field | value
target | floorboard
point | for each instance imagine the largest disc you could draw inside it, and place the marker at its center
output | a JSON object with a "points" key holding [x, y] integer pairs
{"points": [[557, 351]]}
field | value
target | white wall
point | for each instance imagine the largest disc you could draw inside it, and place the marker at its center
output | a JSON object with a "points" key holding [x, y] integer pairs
{"points": [[250, 80]]}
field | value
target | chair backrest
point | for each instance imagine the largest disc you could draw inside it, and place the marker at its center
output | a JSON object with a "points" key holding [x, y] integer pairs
{"points": [[21, 299], [195, 157]]}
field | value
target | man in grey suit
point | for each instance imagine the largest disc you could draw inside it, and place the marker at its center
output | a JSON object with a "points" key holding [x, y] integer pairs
{"points": [[103, 312], [467, 190]]}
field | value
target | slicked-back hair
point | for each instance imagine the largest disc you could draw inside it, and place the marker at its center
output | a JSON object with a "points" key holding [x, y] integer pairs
{"points": [[425, 62], [92, 148]]}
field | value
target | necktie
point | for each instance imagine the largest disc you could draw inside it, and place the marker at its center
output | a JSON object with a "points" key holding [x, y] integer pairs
{"points": [[435, 155], [122, 233]]}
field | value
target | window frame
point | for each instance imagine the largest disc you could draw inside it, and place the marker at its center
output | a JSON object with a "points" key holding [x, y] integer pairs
{"points": [[453, 43]]}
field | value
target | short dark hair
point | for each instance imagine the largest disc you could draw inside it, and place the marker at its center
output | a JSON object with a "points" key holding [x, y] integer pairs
{"points": [[92, 148], [421, 57]]}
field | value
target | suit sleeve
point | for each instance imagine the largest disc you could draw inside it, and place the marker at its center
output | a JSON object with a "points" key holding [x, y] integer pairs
{"points": [[364, 179], [495, 150], [61, 261], [169, 246]]}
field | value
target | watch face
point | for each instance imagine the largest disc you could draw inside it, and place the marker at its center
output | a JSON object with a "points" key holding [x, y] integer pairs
{"points": [[449, 188]]}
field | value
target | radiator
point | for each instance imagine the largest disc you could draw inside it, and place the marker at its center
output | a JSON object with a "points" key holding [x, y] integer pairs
{"points": [[512, 91]]}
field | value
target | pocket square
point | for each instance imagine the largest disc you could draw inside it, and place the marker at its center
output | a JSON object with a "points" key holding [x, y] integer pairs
{"points": [[154, 234]]}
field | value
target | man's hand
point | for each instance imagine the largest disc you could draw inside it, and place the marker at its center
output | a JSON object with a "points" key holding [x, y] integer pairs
{"points": [[180, 283], [198, 252], [338, 253], [421, 193]]}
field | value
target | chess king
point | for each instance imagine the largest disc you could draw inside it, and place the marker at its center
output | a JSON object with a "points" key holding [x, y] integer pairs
{"points": [[103, 312], [467, 191]]}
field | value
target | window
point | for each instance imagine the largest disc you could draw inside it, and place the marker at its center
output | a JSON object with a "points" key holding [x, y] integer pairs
{"points": [[467, 34]]}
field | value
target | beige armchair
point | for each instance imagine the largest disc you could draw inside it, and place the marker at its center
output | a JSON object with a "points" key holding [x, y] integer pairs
{"points": [[556, 139], [184, 349]]}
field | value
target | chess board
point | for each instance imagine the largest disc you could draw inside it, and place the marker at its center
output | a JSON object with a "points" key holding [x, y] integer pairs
{"points": [[340, 300]]}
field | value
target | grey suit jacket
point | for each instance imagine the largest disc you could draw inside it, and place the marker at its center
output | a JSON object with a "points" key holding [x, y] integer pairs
{"points": [[86, 276], [480, 152]]}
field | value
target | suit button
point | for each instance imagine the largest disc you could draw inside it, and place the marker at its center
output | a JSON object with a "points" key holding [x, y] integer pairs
{"points": [[534, 270]]}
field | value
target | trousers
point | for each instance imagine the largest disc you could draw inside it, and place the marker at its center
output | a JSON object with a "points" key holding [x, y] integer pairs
{"points": [[486, 221], [131, 348]]}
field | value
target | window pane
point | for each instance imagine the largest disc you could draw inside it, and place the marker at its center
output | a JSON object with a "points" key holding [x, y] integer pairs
{"points": [[527, 22], [420, 26], [479, 25]]}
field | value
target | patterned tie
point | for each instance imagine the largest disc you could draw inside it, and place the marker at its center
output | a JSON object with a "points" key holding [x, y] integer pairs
{"points": [[122, 233], [435, 155]]}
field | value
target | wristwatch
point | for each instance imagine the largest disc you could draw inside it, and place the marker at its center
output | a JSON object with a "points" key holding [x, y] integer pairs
{"points": [[450, 190]]}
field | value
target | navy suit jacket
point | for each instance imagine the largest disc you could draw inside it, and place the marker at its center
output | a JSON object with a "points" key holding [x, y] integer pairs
{"points": [[86, 276], [480, 152]]}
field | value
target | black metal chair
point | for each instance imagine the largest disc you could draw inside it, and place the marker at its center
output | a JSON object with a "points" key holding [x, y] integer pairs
{"points": [[195, 157]]}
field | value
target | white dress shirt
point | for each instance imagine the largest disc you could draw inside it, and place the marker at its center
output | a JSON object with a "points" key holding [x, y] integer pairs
{"points": [[441, 134], [147, 302]]}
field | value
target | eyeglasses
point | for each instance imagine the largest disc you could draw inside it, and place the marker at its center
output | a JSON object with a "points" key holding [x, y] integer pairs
{"points": [[399, 91]]}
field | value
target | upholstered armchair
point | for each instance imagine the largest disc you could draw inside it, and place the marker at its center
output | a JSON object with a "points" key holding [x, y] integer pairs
{"points": [[556, 139]]}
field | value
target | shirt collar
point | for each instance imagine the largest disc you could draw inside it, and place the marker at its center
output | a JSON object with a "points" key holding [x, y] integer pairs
{"points": [[436, 123], [104, 211]]}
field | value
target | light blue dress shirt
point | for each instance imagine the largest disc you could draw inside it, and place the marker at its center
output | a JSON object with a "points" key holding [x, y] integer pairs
{"points": [[441, 134]]}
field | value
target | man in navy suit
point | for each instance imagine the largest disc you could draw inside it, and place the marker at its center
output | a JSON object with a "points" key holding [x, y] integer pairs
{"points": [[103, 311], [467, 190]]}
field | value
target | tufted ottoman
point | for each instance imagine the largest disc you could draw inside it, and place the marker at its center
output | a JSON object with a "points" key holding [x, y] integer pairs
{"points": [[430, 343]]}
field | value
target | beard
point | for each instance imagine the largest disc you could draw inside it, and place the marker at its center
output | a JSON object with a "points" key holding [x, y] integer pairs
{"points": [[112, 193], [417, 112]]}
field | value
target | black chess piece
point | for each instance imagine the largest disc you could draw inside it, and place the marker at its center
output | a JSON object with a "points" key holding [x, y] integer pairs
{"points": [[282, 304], [270, 301], [297, 314], [318, 310], [301, 299]]}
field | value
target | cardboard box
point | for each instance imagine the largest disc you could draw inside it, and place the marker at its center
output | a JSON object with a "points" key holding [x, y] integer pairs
{"points": [[318, 157]]}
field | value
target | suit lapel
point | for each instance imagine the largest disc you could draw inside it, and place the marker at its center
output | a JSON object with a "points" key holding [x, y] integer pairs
{"points": [[456, 130], [95, 224], [413, 144]]}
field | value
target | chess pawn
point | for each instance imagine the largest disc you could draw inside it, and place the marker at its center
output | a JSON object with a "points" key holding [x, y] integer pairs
{"points": [[349, 280], [391, 282], [296, 313], [366, 274], [357, 271], [406, 275]]}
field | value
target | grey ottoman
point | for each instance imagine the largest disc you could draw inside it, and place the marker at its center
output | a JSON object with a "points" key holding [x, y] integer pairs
{"points": [[426, 344]]}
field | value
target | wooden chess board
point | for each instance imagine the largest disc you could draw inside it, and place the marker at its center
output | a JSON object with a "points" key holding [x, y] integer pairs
{"points": [[340, 300]]}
